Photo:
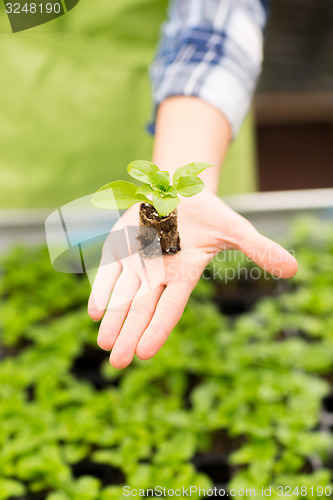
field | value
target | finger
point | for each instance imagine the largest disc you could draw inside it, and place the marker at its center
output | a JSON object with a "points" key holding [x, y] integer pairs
{"points": [[168, 312], [104, 282], [123, 293], [139, 316], [268, 254], [114, 250]]}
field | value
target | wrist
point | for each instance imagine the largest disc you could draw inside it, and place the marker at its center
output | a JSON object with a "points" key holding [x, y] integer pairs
{"points": [[191, 130]]}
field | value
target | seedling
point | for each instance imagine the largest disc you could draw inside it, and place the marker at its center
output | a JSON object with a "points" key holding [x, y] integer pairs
{"points": [[159, 198]]}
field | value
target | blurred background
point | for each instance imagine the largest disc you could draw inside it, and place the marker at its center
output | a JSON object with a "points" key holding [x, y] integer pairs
{"points": [[294, 100], [75, 102]]}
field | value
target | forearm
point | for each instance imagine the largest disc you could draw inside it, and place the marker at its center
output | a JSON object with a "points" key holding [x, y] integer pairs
{"points": [[187, 130]]}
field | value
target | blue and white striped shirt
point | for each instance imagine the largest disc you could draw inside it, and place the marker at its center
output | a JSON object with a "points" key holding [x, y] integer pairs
{"points": [[211, 49]]}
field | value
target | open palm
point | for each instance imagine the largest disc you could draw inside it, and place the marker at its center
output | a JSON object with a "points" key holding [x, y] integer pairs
{"points": [[139, 318]]}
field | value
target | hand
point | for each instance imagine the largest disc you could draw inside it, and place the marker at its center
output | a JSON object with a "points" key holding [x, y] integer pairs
{"points": [[139, 320]]}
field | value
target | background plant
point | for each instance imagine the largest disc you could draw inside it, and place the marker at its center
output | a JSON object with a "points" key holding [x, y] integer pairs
{"points": [[155, 189], [247, 388]]}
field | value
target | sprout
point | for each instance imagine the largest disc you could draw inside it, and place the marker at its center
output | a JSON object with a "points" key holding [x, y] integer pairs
{"points": [[155, 188]]}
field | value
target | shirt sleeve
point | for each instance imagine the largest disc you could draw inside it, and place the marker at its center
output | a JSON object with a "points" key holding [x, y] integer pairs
{"points": [[211, 49]]}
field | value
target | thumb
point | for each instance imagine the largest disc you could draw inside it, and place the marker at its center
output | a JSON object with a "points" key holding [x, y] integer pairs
{"points": [[268, 254]]}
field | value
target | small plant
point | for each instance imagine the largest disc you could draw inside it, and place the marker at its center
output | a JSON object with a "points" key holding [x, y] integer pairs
{"points": [[159, 198]]}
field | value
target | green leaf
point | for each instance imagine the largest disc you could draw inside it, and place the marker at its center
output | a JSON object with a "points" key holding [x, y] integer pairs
{"points": [[161, 180], [86, 488], [181, 446], [143, 170], [261, 450], [144, 189], [164, 205], [57, 495], [73, 452], [141, 477], [171, 191], [111, 493], [188, 185], [190, 169], [109, 457], [117, 195], [10, 488]]}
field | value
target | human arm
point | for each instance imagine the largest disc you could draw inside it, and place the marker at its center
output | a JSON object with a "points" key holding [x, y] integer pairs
{"points": [[135, 321], [203, 80]]}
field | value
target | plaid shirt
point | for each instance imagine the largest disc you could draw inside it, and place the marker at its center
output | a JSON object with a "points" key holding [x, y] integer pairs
{"points": [[211, 49]]}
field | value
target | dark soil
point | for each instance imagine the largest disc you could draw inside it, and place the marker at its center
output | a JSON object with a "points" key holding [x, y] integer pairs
{"points": [[165, 228], [215, 466], [107, 474], [87, 366]]}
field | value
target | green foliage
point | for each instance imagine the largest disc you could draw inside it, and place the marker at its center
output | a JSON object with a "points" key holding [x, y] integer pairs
{"points": [[156, 183], [188, 185], [166, 204], [10, 488], [253, 380], [143, 171], [190, 169]]}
